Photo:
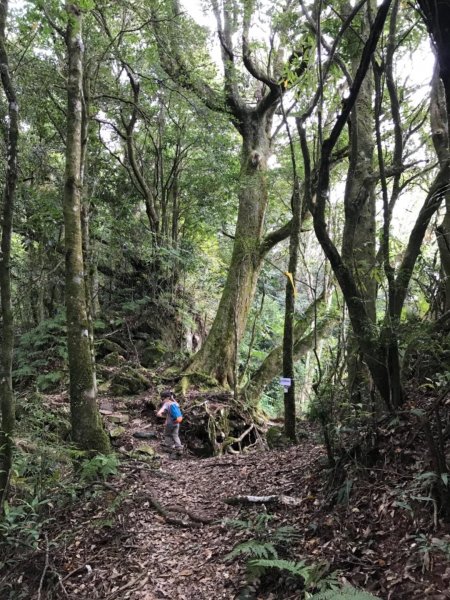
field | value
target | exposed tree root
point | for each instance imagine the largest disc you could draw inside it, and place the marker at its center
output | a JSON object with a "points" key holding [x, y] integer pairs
{"points": [[195, 520], [280, 500]]}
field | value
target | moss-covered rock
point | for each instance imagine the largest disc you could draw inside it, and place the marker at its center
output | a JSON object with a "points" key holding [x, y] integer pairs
{"points": [[153, 354], [146, 449], [117, 432], [105, 346], [113, 359], [276, 439], [128, 382], [118, 418]]}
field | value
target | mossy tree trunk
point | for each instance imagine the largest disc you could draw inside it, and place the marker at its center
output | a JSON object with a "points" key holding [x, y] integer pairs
{"points": [[359, 236], [217, 357], [87, 430], [11, 128], [438, 116], [380, 351]]}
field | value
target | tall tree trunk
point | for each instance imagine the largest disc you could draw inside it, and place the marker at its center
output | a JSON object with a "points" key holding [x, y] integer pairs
{"points": [[358, 246], [438, 116], [85, 216], [7, 209], [217, 356], [87, 430], [288, 333], [361, 323]]}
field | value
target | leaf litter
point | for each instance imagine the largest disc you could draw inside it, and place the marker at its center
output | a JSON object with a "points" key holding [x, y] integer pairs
{"points": [[156, 530]]}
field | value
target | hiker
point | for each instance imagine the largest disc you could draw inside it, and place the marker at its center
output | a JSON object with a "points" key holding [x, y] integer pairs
{"points": [[171, 410]]}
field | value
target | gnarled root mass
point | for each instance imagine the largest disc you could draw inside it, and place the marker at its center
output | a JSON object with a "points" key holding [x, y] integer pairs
{"points": [[215, 423]]}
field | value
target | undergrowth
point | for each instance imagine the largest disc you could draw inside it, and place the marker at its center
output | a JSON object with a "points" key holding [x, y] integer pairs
{"points": [[269, 562], [48, 475]]}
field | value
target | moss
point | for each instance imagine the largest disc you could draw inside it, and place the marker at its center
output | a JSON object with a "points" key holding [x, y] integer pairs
{"points": [[114, 359], [128, 381], [104, 347], [153, 354], [275, 438]]}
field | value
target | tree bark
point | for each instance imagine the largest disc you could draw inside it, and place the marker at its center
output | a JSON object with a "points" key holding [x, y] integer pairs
{"points": [[7, 210], [288, 332], [217, 356], [361, 323], [358, 246], [439, 121], [87, 430]]}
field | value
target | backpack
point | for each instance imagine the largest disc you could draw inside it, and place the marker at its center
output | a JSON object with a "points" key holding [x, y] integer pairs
{"points": [[175, 413]]}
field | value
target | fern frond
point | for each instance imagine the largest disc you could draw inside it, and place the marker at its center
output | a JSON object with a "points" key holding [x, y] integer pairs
{"points": [[347, 593], [237, 524], [286, 533], [255, 549], [296, 568]]}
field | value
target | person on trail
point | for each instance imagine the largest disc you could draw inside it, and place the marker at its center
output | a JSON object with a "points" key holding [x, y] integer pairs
{"points": [[171, 410]]}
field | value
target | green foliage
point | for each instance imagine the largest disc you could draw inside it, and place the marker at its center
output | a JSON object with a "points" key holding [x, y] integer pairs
{"points": [[41, 355], [428, 545], [257, 568], [21, 523], [100, 466], [262, 554], [253, 548], [348, 593]]}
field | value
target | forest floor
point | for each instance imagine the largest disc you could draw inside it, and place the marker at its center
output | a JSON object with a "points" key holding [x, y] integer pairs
{"points": [[158, 528]]}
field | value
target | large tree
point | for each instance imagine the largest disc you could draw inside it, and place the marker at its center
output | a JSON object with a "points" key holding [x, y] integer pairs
{"points": [[11, 131], [87, 430], [379, 348], [253, 121]]}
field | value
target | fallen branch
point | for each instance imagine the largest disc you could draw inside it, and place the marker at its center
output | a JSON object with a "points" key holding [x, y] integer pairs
{"points": [[165, 513], [191, 515], [140, 581], [44, 572], [274, 500]]}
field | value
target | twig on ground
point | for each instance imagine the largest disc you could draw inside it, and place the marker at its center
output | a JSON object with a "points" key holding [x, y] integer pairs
{"points": [[274, 500], [173, 521], [140, 581], [41, 582]]}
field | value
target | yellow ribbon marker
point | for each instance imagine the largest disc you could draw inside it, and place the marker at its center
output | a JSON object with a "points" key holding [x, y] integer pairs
{"points": [[291, 279]]}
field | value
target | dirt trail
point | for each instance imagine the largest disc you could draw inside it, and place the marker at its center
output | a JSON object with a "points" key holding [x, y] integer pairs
{"points": [[156, 530], [181, 555]]}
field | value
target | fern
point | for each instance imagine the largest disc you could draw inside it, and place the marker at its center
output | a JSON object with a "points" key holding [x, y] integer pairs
{"points": [[237, 524], [262, 550], [299, 569], [347, 593], [286, 533]]}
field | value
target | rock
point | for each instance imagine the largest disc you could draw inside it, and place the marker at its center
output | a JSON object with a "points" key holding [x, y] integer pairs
{"points": [[104, 347], [113, 359], [145, 435], [117, 432], [145, 449], [153, 353], [103, 387], [118, 418], [276, 438], [128, 382]]}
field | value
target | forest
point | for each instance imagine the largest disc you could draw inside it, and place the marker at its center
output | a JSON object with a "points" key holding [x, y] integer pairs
{"points": [[241, 209]]}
